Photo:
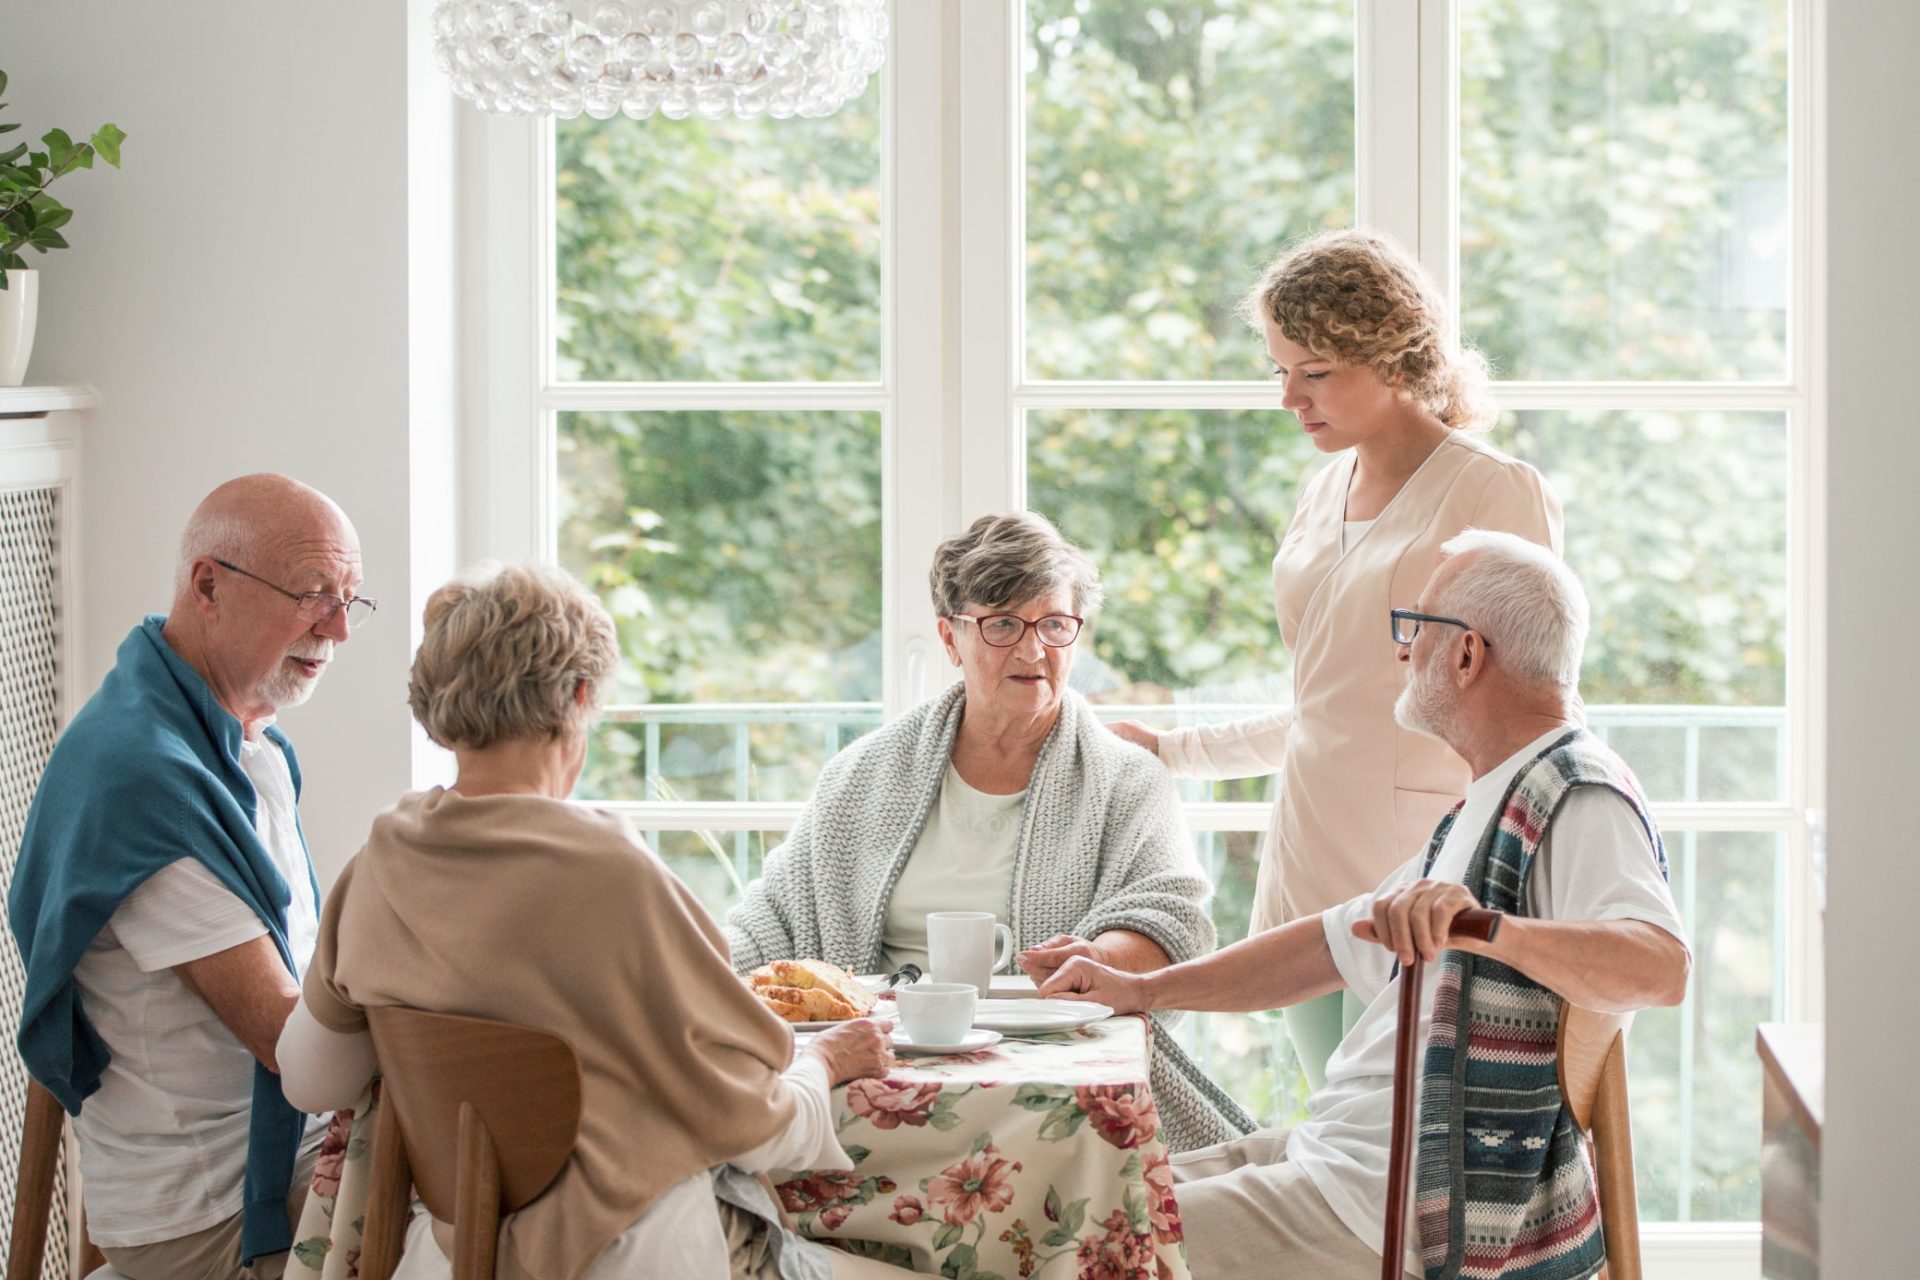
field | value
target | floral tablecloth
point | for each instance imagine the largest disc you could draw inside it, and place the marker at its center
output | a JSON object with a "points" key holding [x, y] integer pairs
{"points": [[326, 1244], [1036, 1157]]}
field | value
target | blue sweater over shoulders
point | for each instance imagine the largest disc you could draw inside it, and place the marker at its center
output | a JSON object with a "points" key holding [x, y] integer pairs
{"points": [[147, 773]]}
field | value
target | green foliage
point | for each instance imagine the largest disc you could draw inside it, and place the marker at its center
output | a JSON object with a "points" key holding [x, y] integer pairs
{"points": [[1182, 511], [1623, 187], [739, 250], [29, 217], [1172, 149]]}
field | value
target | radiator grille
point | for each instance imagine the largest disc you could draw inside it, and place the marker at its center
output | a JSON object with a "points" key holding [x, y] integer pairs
{"points": [[29, 719]]}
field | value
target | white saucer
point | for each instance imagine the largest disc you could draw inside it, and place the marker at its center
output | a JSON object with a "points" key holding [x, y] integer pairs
{"points": [[975, 1039], [1033, 1017]]}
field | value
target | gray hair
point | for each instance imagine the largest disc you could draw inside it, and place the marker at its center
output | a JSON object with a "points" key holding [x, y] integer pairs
{"points": [[1525, 599], [505, 648], [1008, 558], [216, 535]]}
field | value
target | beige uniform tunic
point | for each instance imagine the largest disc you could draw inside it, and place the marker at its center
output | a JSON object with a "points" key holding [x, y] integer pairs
{"points": [[1358, 794]]}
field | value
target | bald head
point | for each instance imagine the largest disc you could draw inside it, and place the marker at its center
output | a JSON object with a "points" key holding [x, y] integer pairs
{"points": [[259, 520], [251, 551]]}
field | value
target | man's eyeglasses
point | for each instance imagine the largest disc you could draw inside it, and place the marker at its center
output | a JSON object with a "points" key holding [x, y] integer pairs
{"points": [[1406, 625], [1004, 630], [316, 607]]}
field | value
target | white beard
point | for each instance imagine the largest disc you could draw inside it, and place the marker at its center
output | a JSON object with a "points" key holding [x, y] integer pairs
{"points": [[285, 687], [1426, 704]]}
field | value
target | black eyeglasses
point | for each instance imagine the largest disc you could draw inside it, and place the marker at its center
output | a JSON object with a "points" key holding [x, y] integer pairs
{"points": [[1406, 625], [316, 607], [1004, 630]]}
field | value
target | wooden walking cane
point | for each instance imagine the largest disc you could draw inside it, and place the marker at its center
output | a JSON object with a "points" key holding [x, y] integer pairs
{"points": [[1475, 923]]}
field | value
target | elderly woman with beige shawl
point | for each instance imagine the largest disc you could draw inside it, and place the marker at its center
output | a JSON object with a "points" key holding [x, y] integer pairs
{"points": [[496, 898]]}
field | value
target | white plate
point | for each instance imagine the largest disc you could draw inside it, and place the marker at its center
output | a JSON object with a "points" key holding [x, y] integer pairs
{"points": [[878, 1015], [1031, 1017], [975, 1039]]}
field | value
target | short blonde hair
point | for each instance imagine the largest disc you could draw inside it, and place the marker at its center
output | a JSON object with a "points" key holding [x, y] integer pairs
{"points": [[1358, 299], [506, 648], [1007, 559]]}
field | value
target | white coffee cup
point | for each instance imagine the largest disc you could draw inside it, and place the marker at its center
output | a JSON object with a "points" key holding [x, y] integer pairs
{"points": [[961, 947], [936, 1012]]}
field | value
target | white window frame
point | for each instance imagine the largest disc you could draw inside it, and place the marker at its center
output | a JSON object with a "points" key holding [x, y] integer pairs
{"points": [[952, 395]]}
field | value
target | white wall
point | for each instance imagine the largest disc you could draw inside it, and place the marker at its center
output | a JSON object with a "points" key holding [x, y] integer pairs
{"points": [[1870, 1183], [239, 295]]}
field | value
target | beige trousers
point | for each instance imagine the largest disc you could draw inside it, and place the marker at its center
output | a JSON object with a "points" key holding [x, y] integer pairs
{"points": [[1251, 1214], [213, 1254]]}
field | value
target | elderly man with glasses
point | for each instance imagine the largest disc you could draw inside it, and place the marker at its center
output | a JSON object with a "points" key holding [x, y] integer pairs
{"points": [[1555, 833], [164, 902]]}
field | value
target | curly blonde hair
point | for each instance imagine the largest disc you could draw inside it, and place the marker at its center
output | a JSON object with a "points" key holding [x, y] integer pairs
{"points": [[505, 648], [1358, 299]]}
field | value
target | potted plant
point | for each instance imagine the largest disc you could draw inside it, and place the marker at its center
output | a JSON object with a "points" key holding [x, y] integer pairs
{"points": [[31, 219]]}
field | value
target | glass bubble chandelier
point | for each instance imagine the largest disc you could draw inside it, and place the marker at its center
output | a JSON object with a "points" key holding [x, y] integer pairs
{"points": [[706, 58]]}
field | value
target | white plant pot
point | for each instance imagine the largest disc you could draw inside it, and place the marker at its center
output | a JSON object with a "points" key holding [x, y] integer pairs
{"points": [[19, 309]]}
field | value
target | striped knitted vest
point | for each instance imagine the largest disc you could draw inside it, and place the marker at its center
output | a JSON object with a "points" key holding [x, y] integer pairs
{"points": [[1504, 1185]]}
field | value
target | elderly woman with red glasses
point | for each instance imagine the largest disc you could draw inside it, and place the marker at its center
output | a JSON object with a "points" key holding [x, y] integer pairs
{"points": [[1003, 794]]}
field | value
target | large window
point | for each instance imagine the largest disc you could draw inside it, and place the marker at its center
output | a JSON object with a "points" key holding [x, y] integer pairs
{"points": [[768, 365]]}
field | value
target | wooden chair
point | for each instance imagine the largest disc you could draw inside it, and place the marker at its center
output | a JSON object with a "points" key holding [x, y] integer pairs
{"points": [[480, 1116], [1592, 1054], [33, 1190]]}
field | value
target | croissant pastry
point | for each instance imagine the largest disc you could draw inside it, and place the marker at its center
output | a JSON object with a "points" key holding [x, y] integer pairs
{"points": [[811, 991]]}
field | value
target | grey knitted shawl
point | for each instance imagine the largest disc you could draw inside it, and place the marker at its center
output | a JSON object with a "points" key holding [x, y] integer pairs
{"points": [[1102, 846]]}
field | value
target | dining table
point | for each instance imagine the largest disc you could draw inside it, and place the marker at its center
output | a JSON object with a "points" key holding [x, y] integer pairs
{"points": [[1040, 1155]]}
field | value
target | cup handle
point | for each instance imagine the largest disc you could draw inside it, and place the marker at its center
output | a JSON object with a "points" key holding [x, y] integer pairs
{"points": [[1003, 947]]}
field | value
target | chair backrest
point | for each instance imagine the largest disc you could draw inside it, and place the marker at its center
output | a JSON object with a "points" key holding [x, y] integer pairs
{"points": [[1592, 1063], [523, 1085], [40, 1147]]}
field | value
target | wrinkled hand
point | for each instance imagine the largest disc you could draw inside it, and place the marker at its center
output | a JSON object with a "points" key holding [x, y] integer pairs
{"points": [[1043, 961], [857, 1050], [1083, 979], [1138, 734], [1417, 917]]}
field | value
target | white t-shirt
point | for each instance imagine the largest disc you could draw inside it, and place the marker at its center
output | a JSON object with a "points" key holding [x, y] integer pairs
{"points": [[1351, 531], [163, 1142], [963, 861], [1605, 871]]}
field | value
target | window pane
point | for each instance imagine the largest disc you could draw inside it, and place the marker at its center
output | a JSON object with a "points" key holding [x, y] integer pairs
{"points": [[739, 554], [1247, 1054], [1676, 523], [1182, 511], [1623, 193], [1171, 149], [732, 250], [1693, 1075]]}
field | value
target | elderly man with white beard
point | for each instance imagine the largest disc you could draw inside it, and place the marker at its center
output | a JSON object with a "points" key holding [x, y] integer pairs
{"points": [[164, 901], [1555, 833]]}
